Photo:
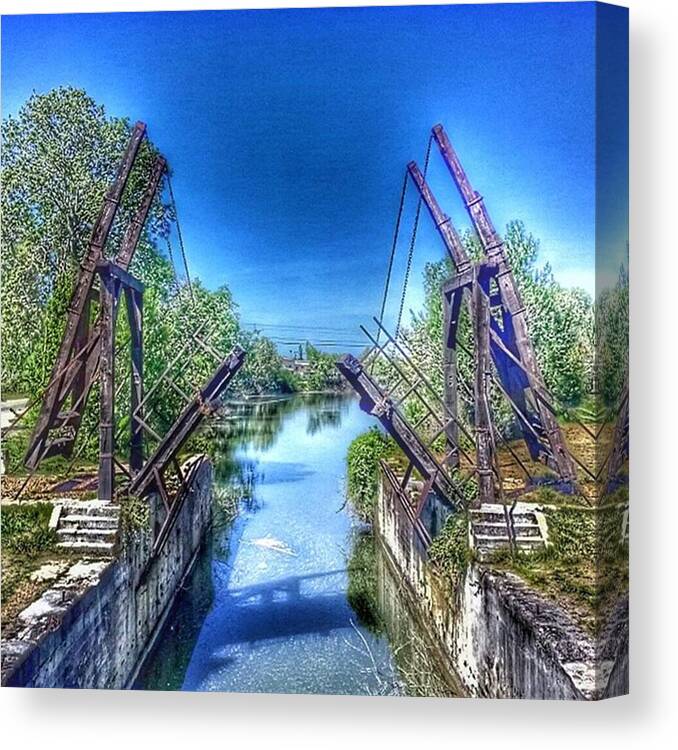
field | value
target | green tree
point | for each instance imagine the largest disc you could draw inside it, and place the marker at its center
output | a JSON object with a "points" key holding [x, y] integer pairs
{"points": [[560, 322], [60, 154]]}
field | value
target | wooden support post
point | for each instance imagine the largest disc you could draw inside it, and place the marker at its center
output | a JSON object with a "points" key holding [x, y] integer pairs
{"points": [[450, 386], [81, 338], [109, 290], [494, 249], [483, 418], [81, 294], [374, 401], [134, 300]]}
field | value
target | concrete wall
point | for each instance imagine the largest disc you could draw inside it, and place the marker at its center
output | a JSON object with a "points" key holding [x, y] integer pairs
{"points": [[97, 635], [501, 639]]}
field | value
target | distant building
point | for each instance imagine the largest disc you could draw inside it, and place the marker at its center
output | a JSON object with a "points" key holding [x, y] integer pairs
{"points": [[299, 366]]}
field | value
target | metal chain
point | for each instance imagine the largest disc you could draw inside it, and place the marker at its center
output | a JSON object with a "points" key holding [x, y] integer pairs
{"points": [[181, 238], [170, 253], [394, 245], [413, 241]]}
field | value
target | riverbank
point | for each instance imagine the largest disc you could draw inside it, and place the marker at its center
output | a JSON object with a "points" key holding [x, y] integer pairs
{"points": [[276, 591], [96, 623], [499, 636]]}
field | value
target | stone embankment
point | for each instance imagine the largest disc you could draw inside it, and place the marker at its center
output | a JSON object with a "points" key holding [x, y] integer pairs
{"points": [[500, 638], [99, 619]]}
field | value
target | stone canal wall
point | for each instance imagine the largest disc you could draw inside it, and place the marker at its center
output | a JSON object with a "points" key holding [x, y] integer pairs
{"points": [[97, 632], [498, 637]]}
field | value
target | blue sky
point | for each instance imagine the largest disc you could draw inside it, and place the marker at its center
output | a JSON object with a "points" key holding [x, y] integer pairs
{"points": [[288, 133]]}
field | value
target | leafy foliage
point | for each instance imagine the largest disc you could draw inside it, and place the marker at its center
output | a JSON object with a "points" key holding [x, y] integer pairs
{"points": [[449, 551], [322, 372], [60, 155], [612, 339], [25, 528], [364, 454]]}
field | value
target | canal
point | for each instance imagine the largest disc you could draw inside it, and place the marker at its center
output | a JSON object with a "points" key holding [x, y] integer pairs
{"points": [[293, 595]]}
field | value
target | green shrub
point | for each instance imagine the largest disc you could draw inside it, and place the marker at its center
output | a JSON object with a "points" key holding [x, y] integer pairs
{"points": [[135, 515], [572, 532], [449, 552], [362, 583], [25, 528], [364, 454]]}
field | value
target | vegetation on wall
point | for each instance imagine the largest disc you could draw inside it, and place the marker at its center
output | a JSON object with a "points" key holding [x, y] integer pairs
{"points": [[364, 454], [25, 529], [449, 552], [60, 155], [362, 582]]}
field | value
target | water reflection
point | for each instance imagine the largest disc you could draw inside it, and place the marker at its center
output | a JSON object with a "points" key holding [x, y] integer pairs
{"points": [[294, 591]]}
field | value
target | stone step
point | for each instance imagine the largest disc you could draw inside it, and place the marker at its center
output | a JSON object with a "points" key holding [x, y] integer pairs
{"points": [[108, 522], [88, 533], [489, 541], [91, 547], [498, 529], [91, 509], [498, 513]]}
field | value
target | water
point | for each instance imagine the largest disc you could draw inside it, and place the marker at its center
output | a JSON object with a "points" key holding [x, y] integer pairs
{"points": [[285, 599]]}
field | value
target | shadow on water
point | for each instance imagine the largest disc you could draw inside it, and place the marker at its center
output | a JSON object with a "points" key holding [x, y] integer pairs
{"points": [[181, 632], [287, 597]]}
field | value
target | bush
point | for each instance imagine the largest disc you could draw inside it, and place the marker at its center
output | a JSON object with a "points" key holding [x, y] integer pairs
{"points": [[572, 532], [25, 528], [449, 552], [364, 454], [362, 583]]}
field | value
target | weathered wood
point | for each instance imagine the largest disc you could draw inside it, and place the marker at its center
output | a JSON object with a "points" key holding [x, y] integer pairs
{"points": [[132, 234], [511, 373], [135, 301], [80, 380], [81, 294], [109, 268], [375, 402], [404, 504], [493, 247], [483, 418], [450, 395], [453, 244], [204, 403], [109, 297]]}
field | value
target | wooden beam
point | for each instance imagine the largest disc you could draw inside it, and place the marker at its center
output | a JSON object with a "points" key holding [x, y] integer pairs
{"points": [[51, 403], [453, 244], [483, 373], [110, 268], [135, 316], [450, 389], [109, 294], [204, 403], [132, 234], [375, 402], [494, 249]]}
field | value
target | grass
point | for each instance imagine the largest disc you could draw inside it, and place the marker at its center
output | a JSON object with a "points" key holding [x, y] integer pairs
{"points": [[585, 568], [25, 529], [27, 542], [362, 582]]}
